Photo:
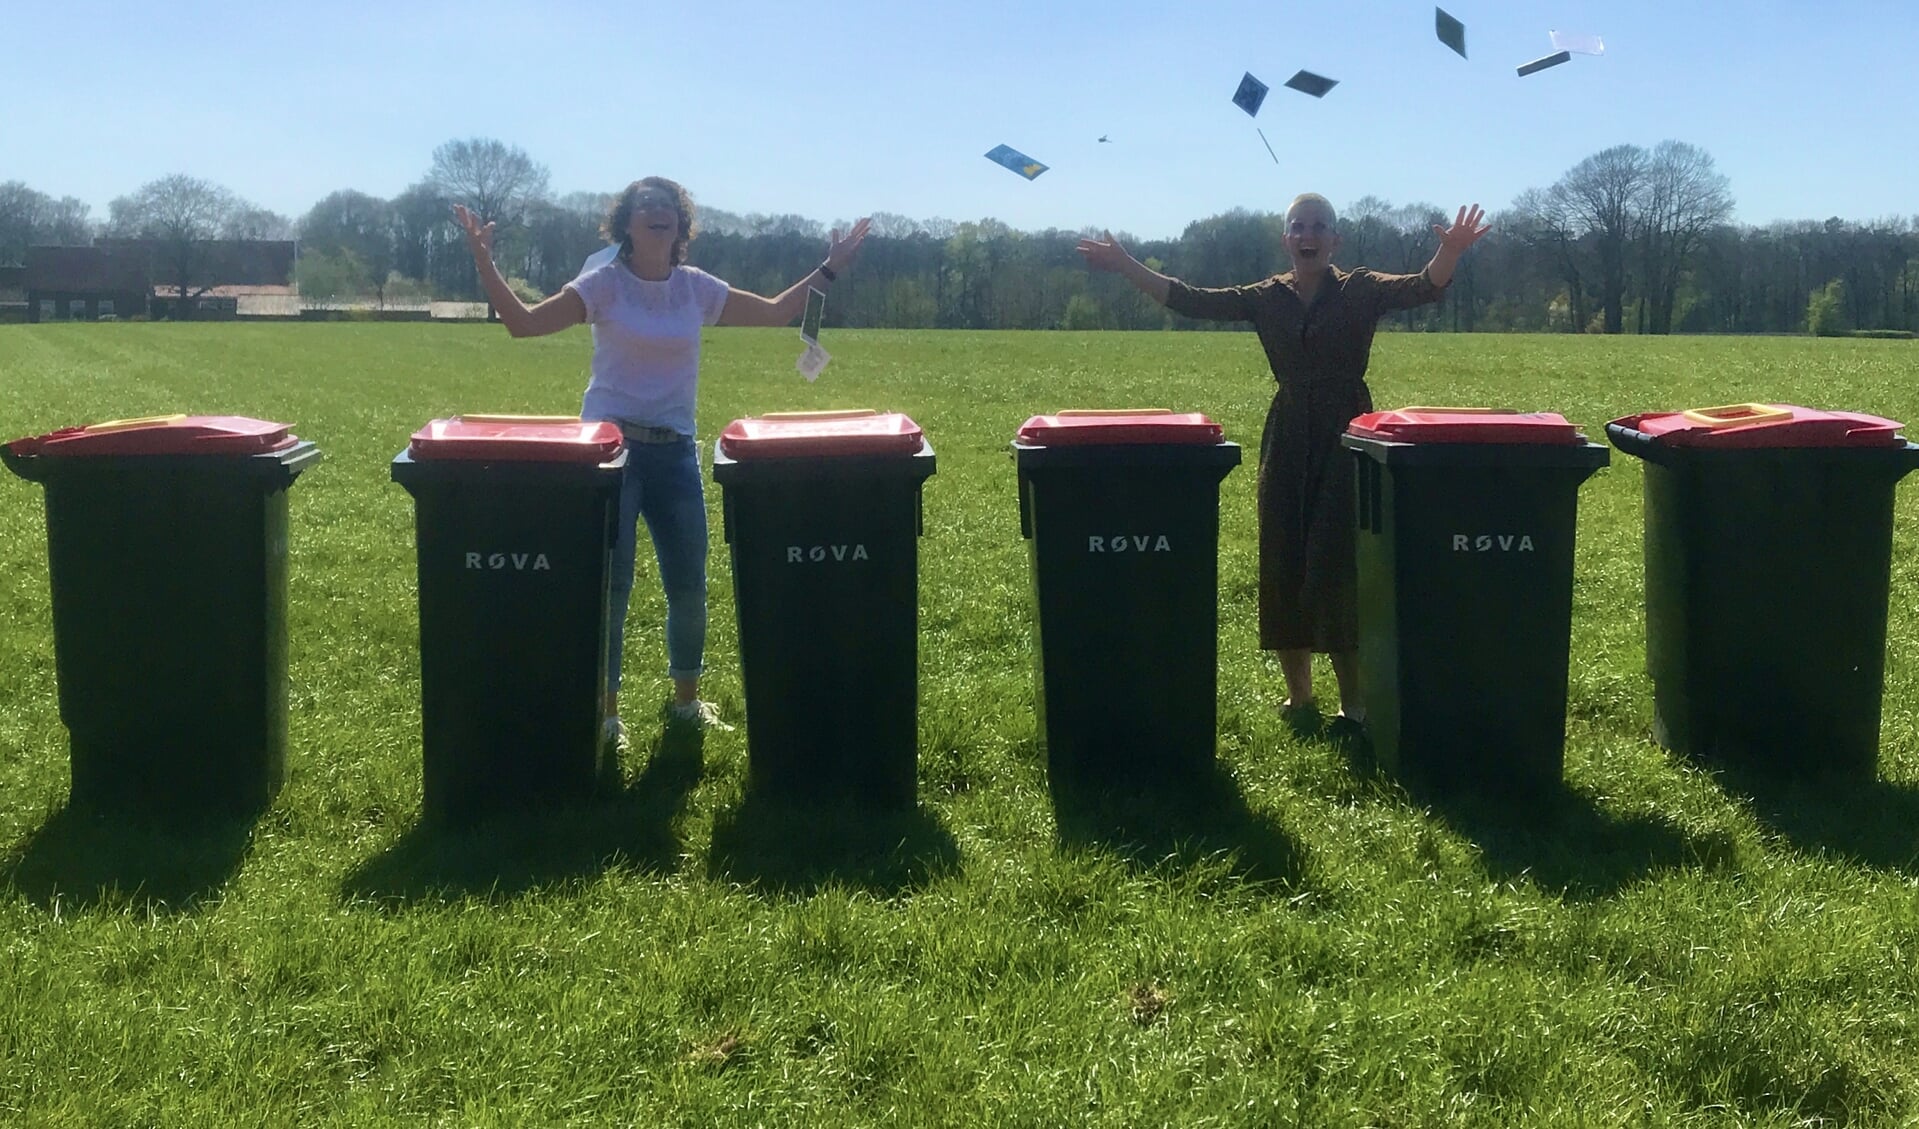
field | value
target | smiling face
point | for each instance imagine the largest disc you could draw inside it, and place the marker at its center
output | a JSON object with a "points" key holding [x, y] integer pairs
{"points": [[1312, 233], [654, 218]]}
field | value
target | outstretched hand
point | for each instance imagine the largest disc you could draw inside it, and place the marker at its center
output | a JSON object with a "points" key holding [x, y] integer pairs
{"points": [[1464, 232], [1103, 254], [479, 240], [841, 252]]}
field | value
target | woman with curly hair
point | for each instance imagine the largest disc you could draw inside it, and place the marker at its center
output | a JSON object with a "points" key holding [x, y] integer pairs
{"points": [[647, 307]]}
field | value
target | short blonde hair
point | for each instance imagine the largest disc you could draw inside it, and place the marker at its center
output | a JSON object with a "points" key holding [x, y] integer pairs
{"points": [[1314, 198]]}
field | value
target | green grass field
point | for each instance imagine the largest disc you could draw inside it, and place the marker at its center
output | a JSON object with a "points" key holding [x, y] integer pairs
{"points": [[1656, 946]]}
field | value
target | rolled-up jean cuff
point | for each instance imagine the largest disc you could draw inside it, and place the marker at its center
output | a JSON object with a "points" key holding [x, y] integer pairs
{"points": [[679, 674]]}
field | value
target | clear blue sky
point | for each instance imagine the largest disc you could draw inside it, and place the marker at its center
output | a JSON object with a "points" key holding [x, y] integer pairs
{"points": [[835, 109]]}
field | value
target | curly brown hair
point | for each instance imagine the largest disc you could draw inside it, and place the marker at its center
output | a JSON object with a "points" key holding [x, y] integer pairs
{"points": [[621, 214]]}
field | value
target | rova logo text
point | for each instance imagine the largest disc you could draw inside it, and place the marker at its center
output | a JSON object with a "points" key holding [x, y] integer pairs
{"points": [[799, 554], [1493, 542], [1135, 543], [518, 562]]}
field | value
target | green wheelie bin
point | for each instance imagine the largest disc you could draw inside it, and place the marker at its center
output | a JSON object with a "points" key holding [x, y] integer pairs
{"points": [[514, 528], [1466, 523], [167, 558], [1120, 512], [1768, 566], [822, 518]]}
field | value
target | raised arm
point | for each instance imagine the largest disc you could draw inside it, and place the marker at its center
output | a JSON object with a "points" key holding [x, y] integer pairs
{"points": [[1107, 255], [746, 308], [1390, 292], [1453, 242], [1229, 303], [561, 311]]}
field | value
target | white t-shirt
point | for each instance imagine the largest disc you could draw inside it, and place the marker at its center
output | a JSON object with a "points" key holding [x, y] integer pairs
{"points": [[594, 262], [646, 341]]}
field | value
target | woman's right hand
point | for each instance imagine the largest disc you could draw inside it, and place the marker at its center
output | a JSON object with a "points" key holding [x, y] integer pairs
{"points": [[479, 240], [1104, 254]]}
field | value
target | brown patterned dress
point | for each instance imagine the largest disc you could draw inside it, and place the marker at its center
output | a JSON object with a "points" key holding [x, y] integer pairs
{"points": [[1318, 353]]}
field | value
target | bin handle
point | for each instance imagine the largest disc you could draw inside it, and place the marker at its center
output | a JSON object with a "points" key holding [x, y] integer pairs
{"points": [[1736, 415], [494, 417], [1439, 411], [22, 463], [1072, 413], [130, 424], [841, 413]]}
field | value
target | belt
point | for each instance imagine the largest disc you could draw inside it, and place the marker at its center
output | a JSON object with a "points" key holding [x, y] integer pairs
{"points": [[641, 433]]}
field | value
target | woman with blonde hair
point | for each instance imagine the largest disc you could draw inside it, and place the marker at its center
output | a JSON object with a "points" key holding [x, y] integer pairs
{"points": [[1316, 324]]}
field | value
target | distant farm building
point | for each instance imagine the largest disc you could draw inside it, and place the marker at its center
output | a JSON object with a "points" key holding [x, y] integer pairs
{"points": [[13, 293], [87, 283], [133, 277]]}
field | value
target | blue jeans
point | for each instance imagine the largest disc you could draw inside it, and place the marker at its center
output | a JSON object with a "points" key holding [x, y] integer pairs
{"points": [[662, 485]]}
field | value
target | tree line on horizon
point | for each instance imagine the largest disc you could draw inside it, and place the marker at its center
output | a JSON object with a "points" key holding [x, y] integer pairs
{"points": [[1629, 240]]}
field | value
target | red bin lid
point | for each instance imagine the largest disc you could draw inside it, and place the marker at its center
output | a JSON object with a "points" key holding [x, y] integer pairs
{"points": [[1765, 425], [498, 438], [162, 435], [785, 435], [1090, 427], [1465, 425]]}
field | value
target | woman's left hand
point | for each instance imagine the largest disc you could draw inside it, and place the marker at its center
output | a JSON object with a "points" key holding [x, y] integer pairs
{"points": [[1465, 231], [844, 249]]}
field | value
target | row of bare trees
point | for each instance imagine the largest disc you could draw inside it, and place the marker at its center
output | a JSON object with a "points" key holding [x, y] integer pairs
{"points": [[179, 213], [1625, 214], [1628, 240], [28, 217]]}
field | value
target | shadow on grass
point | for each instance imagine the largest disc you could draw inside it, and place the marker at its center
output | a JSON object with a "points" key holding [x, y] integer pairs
{"points": [[796, 846], [1178, 823], [1309, 726], [1561, 841], [1553, 836], [513, 852], [1871, 822], [80, 858]]}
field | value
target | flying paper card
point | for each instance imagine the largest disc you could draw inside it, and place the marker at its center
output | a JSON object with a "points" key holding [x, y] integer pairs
{"points": [[814, 359], [1578, 44], [1250, 95], [1306, 82], [815, 310], [1541, 64], [1451, 32], [1017, 161], [812, 362]]}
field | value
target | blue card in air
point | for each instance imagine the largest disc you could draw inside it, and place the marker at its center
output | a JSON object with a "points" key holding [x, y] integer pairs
{"points": [[1017, 161], [1250, 95]]}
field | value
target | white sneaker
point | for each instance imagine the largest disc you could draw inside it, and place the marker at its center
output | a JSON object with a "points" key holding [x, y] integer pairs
{"points": [[697, 714]]}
